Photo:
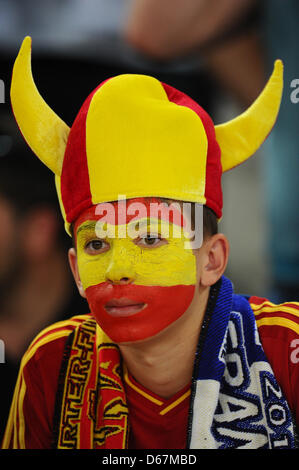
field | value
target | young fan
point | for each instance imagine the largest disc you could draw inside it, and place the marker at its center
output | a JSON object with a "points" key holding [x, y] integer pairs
{"points": [[169, 356]]}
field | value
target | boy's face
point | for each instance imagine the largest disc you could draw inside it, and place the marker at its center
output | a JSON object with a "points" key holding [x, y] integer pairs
{"points": [[136, 272]]}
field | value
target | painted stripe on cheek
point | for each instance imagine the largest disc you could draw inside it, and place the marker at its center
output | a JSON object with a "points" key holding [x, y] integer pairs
{"points": [[164, 305]]}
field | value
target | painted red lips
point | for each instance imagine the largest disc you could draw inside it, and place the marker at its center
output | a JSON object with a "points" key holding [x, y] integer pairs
{"points": [[123, 307]]}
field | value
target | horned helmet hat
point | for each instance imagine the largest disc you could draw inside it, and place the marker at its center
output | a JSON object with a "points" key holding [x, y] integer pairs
{"points": [[138, 137]]}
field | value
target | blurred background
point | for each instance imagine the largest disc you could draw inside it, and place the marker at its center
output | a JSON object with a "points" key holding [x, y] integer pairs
{"points": [[221, 53]]}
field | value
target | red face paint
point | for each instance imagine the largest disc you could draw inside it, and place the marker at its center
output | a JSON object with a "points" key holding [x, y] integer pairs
{"points": [[124, 211], [159, 308]]}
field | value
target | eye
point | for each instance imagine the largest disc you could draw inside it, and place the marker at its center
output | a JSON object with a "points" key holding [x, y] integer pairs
{"points": [[96, 246], [150, 241]]}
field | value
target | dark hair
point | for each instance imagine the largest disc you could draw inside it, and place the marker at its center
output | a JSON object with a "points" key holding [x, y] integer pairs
{"points": [[210, 222]]}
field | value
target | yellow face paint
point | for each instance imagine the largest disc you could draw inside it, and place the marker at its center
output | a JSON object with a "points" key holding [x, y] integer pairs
{"points": [[165, 264]]}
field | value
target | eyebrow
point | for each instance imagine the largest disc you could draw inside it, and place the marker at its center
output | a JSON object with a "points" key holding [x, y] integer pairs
{"points": [[86, 226], [143, 223], [146, 223]]}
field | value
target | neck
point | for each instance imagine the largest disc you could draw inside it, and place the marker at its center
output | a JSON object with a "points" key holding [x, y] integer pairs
{"points": [[164, 363]]}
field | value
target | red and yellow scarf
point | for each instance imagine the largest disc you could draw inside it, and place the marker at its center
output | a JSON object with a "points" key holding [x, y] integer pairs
{"points": [[91, 410]]}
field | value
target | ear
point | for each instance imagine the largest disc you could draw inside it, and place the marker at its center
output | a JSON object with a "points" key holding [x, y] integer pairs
{"points": [[214, 259], [72, 255]]}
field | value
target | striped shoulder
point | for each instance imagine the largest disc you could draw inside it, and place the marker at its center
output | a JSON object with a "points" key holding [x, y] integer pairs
{"points": [[49, 340], [54, 332], [285, 315]]}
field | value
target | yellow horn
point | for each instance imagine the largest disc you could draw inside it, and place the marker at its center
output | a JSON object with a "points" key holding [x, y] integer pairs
{"points": [[43, 130], [240, 138]]}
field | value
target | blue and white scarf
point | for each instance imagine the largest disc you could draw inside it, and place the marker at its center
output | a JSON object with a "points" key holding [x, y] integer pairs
{"points": [[236, 401]]}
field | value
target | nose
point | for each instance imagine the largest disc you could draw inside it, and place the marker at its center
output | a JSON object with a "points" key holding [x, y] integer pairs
{"points": [[120, 281], [121, 269], [120, 272]]}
